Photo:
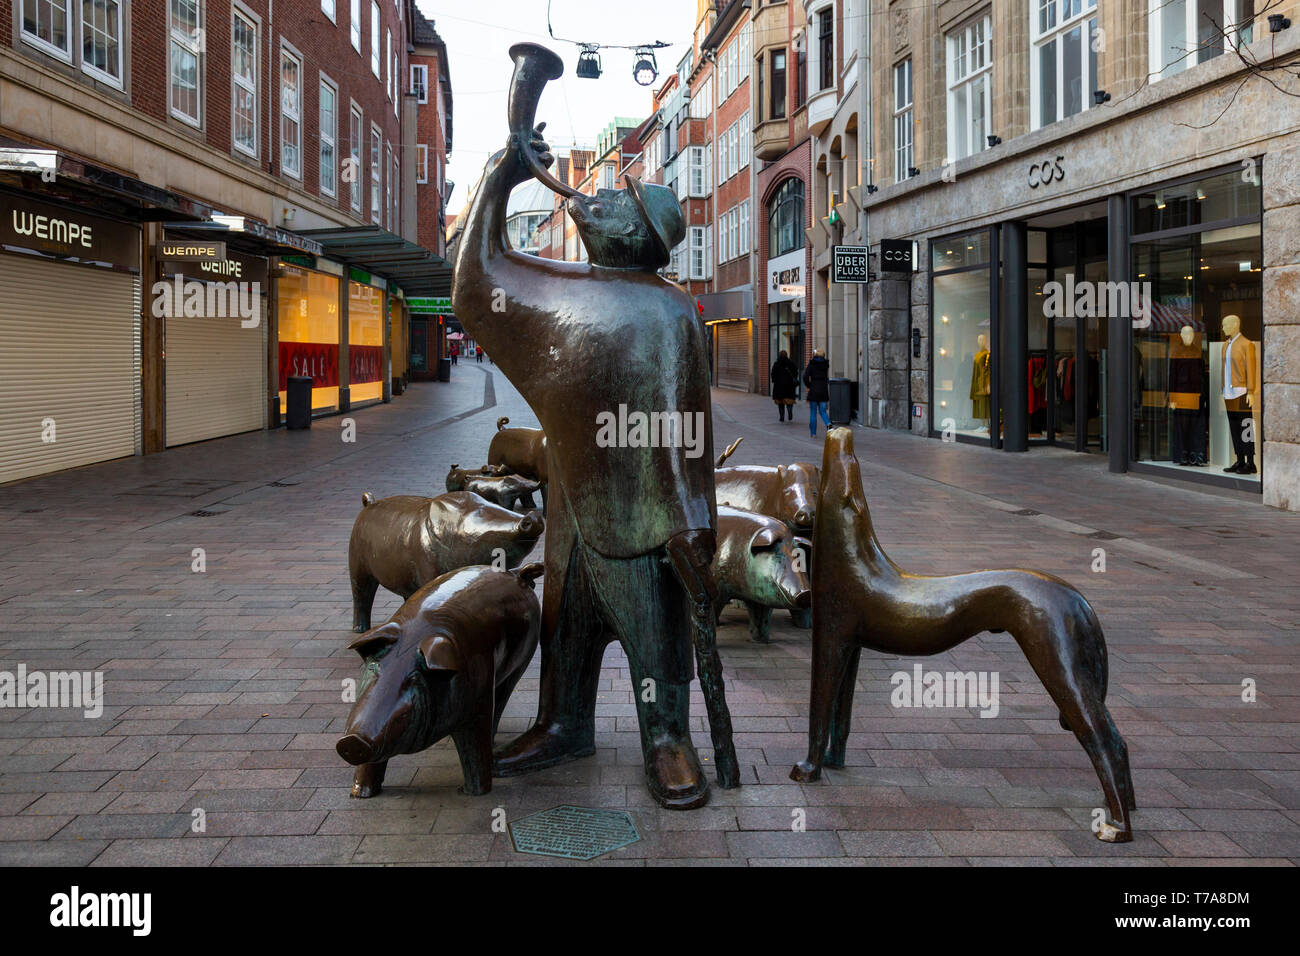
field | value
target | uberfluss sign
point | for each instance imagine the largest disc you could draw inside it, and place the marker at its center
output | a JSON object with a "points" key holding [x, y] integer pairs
{"points": [[67, 233]]}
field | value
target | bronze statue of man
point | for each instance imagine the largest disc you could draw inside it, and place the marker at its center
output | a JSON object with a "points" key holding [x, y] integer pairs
{"points": [[630, 523]]}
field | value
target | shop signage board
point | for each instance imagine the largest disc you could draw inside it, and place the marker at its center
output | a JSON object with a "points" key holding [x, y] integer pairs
{"points": [[898, 255], [68, 233], [849, 264], [429, 304], [191, 250]]}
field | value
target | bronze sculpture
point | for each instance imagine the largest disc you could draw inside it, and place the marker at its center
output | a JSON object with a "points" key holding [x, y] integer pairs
{"points": [[631, 526], [404, 542], [787, 492], [445, 663], [756, 564], [521, 451], [496, 485], [862, 599]]}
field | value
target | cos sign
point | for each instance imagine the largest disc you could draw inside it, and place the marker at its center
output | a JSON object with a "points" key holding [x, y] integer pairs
{"points": [[1049, 170], [897, 255]]}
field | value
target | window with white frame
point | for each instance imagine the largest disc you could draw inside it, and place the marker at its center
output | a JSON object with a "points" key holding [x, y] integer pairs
{"points": [[243, 80], [1182, 33], [290, 114], [375, 51], [420, 82], [376, 174], [700, 258], [743, 54], [607, 176], [101, 40], [356, 127], [825, 48], [393, 193], [185, 46], [903, 123], [392, 74], [421, 163], [742, 227], [1062, 59], [700, 158], [327, 8], [329, 122], [970, 87], [720, 227], [396, 70], [46, 25], [354, 25], [742, 147]]}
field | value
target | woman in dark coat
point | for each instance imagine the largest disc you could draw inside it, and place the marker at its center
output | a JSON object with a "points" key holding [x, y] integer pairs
{"points": [[785, 381], [815, 377]]}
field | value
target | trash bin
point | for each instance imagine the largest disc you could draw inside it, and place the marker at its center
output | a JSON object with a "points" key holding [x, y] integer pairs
{"points": [[298, 400], [444, 370], [841, 403]]}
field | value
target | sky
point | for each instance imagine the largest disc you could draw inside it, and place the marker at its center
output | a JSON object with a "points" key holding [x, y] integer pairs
{"points": [[479, 34]]}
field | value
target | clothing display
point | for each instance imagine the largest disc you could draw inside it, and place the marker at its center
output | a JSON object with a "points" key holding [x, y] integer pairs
{"points": [[1240, 381], [980, 385], [1188, 402]]}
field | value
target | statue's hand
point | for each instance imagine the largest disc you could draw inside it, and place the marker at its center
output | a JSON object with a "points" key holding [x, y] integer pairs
{"points": [[519, 171], [691, 555]]}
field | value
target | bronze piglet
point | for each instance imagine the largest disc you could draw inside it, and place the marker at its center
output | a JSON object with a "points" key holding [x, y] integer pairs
{"points": [[508, 491], [862, 599], [522, 451], [759, 561], [406, 541], [444, 664]]}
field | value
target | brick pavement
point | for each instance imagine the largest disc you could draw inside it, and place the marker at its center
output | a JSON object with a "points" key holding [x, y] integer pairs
{"points": [[222, 687]]}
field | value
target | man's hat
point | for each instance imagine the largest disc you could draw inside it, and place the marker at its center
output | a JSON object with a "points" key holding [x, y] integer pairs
{"points": [[661, 213]]}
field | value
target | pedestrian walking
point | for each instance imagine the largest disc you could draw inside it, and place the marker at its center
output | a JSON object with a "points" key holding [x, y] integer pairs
{"points": [[815, 378], [478, 353], [785, 382], [455, 352]]}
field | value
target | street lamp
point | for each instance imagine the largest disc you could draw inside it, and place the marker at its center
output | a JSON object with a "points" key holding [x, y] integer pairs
{"points": [[588, 63]]}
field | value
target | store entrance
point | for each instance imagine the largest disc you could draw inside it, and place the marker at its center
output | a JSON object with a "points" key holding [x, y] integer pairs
{"points": [[1067, 273]]}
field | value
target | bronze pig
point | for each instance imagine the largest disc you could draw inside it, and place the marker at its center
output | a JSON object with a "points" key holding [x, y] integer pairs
{"points": [[758, 561], [494, 484], [445, 663], [522, 451], [406, 541], [862, 599]]}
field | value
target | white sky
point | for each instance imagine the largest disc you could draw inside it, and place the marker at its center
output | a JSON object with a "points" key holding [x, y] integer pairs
{"points": [[478, 35]]}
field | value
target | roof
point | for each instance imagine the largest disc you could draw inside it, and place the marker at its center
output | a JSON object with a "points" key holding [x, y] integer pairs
{"points": [[418, 271]]}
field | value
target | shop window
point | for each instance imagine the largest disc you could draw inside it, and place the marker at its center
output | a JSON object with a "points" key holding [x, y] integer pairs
{"points": [[243, 79], [785, 219], [186, 43], [365, 343], [963, 353], [1197, 366], [290, 114], [1182, 33], [1063, 58], [308, 317], [903, 122], [786, 335], [970, 88]]}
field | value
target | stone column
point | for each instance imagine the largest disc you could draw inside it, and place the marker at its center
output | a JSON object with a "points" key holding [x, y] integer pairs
{"points": [[1281, 363], [888, 330]]}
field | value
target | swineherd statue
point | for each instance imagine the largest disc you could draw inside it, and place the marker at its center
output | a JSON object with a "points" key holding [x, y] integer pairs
{"points": [[630, 522]]}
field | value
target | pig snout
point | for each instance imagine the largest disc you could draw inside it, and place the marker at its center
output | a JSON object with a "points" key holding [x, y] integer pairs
{"points": [[531, 525], [356, 749], [803, 518], [373, 736], [802, 599]]}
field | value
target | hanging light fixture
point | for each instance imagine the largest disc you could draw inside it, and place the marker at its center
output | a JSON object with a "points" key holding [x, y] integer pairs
{"points": [[588, 63], [645, 70]]}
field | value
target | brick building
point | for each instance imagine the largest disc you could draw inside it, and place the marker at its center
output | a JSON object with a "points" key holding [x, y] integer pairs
{"points": [[227, 181]]}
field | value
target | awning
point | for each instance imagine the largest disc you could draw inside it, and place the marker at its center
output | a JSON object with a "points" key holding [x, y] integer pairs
{"points": [[734, 304], [417, 270], [58, 176], [251, 235]]}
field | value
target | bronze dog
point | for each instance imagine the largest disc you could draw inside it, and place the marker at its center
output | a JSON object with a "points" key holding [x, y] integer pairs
{"points": [[862, 599]]}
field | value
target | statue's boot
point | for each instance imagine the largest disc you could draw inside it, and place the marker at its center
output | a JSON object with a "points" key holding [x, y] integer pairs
{"points": [[672, 768], [542, 746]]}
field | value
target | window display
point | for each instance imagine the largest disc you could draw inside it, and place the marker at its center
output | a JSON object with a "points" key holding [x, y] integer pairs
{"points": [[962, 346], [308, 316], [365, 343]]}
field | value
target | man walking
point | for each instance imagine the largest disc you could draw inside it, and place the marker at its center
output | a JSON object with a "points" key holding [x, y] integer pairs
{"points": [[815, 379]]}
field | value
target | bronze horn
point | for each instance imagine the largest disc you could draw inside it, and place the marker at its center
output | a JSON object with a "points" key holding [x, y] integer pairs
{"points": [[535, 66]]}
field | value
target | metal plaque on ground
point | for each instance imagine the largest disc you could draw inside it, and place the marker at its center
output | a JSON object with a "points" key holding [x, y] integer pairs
{"points": [[575, 833]]}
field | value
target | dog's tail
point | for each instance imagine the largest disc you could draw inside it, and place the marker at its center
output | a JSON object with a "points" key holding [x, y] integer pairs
{"points": [[502, 422], [367, 499]]}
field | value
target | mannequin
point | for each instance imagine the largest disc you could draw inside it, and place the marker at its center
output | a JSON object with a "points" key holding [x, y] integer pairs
{"points": [[1240, 391], [1187, 398], [980, 382]]}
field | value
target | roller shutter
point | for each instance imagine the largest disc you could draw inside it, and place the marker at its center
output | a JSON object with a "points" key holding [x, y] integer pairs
{"points": [[69, 366], [216, 377], [733, 355]]}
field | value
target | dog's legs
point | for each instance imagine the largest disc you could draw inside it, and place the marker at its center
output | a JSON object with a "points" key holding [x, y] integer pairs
{"points": [[831, 654], [843, 711]]}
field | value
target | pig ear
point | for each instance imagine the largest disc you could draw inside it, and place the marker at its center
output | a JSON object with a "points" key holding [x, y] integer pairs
{"points": [[375, 640], [766, 537], [440, 653]]}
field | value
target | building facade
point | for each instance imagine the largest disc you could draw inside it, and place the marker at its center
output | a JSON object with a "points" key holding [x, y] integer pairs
{"points": [[1103, 202], [225, 181]]}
